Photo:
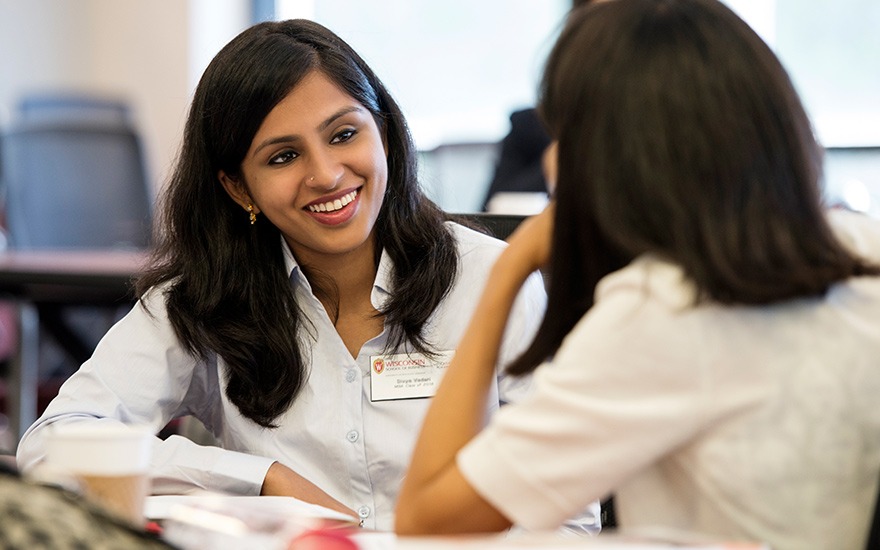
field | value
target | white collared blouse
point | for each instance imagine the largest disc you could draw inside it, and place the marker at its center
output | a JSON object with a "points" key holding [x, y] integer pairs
{"points": [[355, 449]]}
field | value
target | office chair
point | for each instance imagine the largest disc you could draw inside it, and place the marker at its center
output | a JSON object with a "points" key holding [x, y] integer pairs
{"points": [[73, 179], [73, 106], [499, 226], [75, 184]]}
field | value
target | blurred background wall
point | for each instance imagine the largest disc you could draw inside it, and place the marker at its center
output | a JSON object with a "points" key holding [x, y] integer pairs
{"points": [[136, 50], [458, 68]]}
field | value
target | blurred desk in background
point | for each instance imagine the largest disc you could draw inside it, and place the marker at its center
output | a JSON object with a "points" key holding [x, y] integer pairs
{"points": [[41, 281]]}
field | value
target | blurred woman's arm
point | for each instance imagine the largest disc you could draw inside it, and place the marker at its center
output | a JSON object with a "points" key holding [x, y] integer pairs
{"points": [[435, 497]]}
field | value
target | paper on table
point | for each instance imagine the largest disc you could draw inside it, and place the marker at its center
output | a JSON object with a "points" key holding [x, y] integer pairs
{"points": [[161, 507]]}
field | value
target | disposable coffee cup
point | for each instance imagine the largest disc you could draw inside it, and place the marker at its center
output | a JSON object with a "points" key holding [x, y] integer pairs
{"points": [[110, 462]]}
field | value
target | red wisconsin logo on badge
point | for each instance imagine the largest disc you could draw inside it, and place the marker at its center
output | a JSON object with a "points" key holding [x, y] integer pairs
{"points": [[378, 365]]}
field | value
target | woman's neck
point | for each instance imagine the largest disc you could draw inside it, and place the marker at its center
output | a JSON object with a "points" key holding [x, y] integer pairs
{"points": [[340, 280], [344, 284]]}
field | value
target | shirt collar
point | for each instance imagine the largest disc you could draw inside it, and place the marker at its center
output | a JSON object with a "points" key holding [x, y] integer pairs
{"points": [[381, 285], [292, 268]]}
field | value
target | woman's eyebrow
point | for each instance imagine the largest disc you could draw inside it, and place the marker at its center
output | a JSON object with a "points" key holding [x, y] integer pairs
{"points": [[341, 112], [321, 127]]}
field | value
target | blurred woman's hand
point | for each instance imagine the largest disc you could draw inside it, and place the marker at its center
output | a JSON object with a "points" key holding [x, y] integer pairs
{"points": [[282, 481], [530, 245]]}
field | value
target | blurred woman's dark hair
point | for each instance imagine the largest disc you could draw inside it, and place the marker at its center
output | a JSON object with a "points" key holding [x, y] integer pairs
{"points": [[680, 135]]}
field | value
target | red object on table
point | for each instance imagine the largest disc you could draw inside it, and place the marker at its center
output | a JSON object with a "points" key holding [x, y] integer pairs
{"points": [[332, 538]]}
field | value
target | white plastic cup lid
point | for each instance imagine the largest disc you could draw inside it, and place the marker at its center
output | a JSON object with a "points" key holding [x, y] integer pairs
{"points": [[99, 448]]}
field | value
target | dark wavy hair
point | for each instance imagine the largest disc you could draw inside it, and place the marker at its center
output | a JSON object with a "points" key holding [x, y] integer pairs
{"points": [[227, 292], [680, 134]]}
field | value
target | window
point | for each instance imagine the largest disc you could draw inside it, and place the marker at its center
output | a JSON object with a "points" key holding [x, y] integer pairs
{"points": [[457, 67]]}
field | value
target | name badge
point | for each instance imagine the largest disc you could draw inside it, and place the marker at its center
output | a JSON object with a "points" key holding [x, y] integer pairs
{"points": [[406, 376]]}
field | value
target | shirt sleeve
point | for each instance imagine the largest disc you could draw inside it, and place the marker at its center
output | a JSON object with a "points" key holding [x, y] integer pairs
{"points": [[140, 375], [598, 412]]}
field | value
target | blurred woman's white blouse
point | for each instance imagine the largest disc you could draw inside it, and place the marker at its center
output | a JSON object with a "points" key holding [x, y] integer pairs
{"points": [[746, 423]]}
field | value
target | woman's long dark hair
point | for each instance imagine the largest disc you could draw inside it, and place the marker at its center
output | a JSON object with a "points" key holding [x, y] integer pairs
{"points": [[680, 134], [227, 292]]}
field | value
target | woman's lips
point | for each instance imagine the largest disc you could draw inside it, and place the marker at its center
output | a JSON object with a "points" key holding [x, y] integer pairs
{"points": [[336, 210], [333, 204]]}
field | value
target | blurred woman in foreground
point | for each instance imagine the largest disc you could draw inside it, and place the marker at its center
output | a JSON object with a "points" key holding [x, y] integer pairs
{"points": [[712, 347]]}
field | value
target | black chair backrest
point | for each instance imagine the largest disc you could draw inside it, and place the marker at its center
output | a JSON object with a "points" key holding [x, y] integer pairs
{"points": [[73, 106], [499, 226], [74, 183]]}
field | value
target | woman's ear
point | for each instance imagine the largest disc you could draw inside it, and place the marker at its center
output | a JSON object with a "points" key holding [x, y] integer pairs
{"points": [[236, 190]]}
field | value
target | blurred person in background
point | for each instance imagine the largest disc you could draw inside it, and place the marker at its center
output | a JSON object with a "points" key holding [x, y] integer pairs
{"points": [[520, 166]]}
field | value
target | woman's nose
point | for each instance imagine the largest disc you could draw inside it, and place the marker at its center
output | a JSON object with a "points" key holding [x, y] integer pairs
{"points": [[325, 171]]}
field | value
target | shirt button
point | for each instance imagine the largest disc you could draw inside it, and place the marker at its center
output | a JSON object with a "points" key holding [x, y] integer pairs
{"points": [[352, 436], [350, 375], [364, 512]]}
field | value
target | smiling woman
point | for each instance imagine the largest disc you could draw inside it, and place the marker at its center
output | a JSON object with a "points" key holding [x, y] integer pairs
{"points": [[296, 252], [317, 170]]}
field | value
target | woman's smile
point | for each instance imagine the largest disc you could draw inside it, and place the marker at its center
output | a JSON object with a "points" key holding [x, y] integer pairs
{"points": [[335, 209], [317, 169]]}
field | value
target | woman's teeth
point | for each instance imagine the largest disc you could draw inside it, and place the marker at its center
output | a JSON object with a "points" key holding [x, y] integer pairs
{"points": [[332, 206]]}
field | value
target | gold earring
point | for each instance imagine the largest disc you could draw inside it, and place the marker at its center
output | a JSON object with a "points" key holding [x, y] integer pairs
{"points": [[251, 214]]}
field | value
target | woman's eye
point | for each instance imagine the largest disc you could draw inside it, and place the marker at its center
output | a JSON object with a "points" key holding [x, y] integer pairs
{"points": [[283, 158], [343, 136]]}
